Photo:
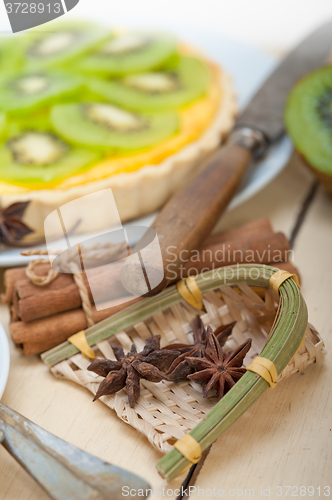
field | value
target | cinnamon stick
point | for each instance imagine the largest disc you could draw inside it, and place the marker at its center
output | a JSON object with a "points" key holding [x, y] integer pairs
{"points": [[11, 276], [66, 328], [248, 231], [259, 250], [43, 334], [32, 302], [43, 317], [59, 326], [9, 279]]}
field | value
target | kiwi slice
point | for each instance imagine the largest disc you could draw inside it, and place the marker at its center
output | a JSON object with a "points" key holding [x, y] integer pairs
{"points": [[30, 91], [105, 126], [65, 44], [130, 53], [40, 157], [308, 118], [157, 90]]}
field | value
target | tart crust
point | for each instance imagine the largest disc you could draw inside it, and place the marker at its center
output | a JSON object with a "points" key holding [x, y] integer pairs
{"points": [[137, 192]]}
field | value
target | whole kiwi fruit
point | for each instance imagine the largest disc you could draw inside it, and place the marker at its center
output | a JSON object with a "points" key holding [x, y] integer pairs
{"points": [[308, 118]]}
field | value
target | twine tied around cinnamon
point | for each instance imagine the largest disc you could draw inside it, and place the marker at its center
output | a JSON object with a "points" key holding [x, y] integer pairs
{"points": [[100, 251]]}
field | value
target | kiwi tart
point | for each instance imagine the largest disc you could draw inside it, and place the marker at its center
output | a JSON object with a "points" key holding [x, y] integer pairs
{"points": [[92, 109], [308, 118]]}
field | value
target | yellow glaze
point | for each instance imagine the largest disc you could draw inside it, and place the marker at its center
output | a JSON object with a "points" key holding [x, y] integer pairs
{"points": [[194, 120]]}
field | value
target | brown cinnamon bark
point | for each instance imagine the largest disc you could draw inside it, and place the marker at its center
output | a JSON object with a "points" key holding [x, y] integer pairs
{"points": [[259, 250], [48, 303], [40, 335], [32, 302], [56, 329], [43, 317], [250, 230], [11, 276]]}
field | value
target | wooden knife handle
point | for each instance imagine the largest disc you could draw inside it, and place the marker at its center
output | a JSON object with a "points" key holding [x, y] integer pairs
{"points": [[187, 219], [190, 215]]}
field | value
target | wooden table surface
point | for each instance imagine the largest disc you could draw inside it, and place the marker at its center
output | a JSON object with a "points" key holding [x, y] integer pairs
{"points": [[285, 439]]}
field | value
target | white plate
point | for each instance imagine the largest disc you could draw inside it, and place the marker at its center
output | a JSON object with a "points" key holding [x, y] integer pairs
{"points": [[249, 68], [4, 359]]}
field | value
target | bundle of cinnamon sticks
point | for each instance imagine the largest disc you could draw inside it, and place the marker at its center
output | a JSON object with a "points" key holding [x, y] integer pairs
{"points": [[43, 317]]}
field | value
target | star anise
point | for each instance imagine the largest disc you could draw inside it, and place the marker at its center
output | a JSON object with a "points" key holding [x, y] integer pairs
{"points": [[12, 229], [217, 370], [128, 369], [180, 369]]}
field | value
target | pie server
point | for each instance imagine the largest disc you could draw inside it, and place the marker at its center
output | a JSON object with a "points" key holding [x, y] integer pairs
{"points": [[64, 471], [190, 215]]}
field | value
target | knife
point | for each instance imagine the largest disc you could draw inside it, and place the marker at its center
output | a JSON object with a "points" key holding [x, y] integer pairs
{"points": [[64, 471], [190, 215]]}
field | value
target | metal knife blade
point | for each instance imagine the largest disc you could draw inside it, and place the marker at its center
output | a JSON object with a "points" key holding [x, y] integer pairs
{"points": [[265, 111], [64, 471]]}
